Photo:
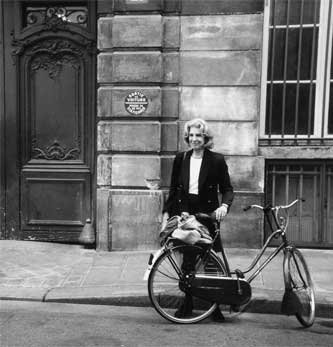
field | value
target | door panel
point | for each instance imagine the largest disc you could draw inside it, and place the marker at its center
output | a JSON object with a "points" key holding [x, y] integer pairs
{"points": [[310, 223], [66, 194], [54, 109], [54, 60], [55, 112], [54, 205]]}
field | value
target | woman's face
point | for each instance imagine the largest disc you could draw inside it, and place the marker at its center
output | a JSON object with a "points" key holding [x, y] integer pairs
{"points": [[196, 138]]}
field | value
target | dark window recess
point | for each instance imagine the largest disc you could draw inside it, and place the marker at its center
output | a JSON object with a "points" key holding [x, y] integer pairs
{"points": [[306, 40], [298, 97], [280, 12]]}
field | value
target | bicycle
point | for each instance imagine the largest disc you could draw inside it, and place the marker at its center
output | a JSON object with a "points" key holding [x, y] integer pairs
{"points": [[178, 270]]}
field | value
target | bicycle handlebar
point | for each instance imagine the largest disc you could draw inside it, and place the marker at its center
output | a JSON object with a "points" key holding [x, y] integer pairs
{"points": [[206, 216], [278, 207], [252, 206]]}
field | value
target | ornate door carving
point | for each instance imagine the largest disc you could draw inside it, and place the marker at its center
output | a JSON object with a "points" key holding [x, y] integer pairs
{"points": [[53, 51]]}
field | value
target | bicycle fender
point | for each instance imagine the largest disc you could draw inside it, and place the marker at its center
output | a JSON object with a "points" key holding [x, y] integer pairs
{"points": [[151, 262]]}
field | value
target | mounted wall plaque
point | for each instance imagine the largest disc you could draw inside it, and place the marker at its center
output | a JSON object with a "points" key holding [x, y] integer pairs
{"points": [[136, 103]]}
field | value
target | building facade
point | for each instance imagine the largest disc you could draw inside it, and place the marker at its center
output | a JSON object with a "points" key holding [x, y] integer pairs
{"points": [[94, 96]]}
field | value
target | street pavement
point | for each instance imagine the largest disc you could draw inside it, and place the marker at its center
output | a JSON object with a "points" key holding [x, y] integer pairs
{"points": [[42, 324], [52, 272]]}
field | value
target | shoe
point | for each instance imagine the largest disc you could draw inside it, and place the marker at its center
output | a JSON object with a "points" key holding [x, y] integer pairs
{"points": [[235, 308], [217, 316], [181, 313], [185, 309]]}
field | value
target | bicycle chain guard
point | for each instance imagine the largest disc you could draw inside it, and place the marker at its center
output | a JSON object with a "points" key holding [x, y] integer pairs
{"points": [[223, 290]]}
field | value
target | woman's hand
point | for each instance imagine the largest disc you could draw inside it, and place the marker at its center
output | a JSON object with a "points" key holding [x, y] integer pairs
{"points": [[221, 212]]}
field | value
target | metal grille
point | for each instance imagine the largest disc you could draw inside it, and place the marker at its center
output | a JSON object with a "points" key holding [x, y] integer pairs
{"points": [[310, 221], [291, 74]]}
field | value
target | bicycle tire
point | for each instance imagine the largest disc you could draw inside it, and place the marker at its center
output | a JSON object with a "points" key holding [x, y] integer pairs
{"points": [[164, 289], [297, 278]]}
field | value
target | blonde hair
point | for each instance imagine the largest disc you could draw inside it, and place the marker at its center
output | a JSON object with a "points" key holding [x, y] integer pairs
{"points": [[203, 126]]}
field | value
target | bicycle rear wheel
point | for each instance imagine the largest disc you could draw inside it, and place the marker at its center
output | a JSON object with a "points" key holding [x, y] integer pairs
{"points": [[166, 283], [298, 280]]}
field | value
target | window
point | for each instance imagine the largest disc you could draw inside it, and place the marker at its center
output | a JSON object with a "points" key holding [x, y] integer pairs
{"points": [[297, 98]]}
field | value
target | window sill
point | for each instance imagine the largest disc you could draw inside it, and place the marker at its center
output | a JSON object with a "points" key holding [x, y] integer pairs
{"points": [[272, 142]]}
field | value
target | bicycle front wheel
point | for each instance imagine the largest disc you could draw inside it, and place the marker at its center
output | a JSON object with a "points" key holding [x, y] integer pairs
{"points": [[166, 279], [298, 280]]}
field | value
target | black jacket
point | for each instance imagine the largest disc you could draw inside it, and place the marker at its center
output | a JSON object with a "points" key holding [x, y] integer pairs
{"points": [[213, 178]]}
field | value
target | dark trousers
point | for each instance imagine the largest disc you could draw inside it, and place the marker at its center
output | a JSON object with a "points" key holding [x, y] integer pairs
{"points": [[194, 204], [195, 207]]}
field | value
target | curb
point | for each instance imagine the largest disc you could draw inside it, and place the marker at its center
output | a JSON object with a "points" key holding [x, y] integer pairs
{"points": [[263, 301], [23, 293], [124, 295]]}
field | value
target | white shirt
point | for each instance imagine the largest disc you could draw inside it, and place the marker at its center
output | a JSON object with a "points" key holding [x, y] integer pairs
{"points": [[195, 164]]}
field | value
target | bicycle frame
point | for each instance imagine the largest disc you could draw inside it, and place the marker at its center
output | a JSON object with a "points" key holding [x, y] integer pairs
{"points": [[280, 231], [198, 272]]}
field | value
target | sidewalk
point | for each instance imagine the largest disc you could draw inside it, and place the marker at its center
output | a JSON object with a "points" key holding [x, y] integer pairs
{"points": [[51, 272]]}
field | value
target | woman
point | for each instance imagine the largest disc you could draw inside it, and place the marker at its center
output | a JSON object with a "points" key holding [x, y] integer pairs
{"points": [[197, 177]]}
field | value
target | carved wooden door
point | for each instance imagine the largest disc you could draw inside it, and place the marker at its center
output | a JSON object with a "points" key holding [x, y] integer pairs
{"points": [[53, 51]]}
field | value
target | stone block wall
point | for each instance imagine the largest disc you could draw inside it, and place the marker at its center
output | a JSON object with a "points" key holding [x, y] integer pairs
{"points": [[188, 61]]}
